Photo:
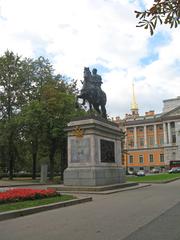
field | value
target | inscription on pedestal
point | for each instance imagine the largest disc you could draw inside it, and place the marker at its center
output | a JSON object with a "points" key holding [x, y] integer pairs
{"points": [[80, 150], [107, 151]]}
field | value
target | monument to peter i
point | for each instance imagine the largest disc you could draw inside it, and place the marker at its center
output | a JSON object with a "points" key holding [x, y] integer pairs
{"points": [[94, 143]]}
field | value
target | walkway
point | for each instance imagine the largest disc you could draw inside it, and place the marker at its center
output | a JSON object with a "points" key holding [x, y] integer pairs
{"points": [[142, 214]]}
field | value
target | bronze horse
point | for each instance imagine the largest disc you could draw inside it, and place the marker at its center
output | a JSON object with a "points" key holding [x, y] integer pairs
{"points": [[93, 94]]}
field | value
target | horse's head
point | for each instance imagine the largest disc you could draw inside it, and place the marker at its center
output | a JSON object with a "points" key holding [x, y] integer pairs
{"points": [[87, 73]]}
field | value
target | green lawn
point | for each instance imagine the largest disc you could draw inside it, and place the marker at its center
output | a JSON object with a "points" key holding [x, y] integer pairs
{"points": [[154, 178], [33, 203]]}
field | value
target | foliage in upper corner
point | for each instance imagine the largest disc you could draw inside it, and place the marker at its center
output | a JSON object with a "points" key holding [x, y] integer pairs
{"points": [[162, 12]]}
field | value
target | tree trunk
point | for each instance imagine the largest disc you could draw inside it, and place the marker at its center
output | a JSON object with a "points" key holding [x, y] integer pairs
{"points": [[51, 159], [34, 157], [11, 165], [11, 158], [3, 159], [64, 162], [51, 167], [34, 161]]}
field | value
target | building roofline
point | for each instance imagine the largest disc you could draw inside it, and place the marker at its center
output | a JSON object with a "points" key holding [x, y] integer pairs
{"points": [[171, 99]]}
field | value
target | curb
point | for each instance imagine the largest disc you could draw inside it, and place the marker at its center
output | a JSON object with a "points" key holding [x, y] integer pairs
{"points": [[88, 189], [162, 182], [108, 191], [28, 211]]}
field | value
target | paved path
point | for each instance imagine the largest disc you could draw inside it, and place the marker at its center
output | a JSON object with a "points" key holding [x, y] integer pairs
{"points": [[165, 227], [131, 215]]}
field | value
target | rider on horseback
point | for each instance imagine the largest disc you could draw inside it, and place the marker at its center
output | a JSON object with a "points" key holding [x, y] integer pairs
{"points": [[92, 92], [96, 79], [95, 82]]}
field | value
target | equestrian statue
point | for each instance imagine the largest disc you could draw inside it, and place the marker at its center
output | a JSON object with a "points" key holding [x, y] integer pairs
{"points": [[92, 93]]}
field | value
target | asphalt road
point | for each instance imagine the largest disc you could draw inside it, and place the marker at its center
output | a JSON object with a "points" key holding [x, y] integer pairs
{"points": [[142, 214]]}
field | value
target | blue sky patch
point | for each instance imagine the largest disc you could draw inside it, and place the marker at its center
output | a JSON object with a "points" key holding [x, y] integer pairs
{"points": [[158, 40], [149, 59], [140, 78], [100, 68], [3, 18], [141, 4]]}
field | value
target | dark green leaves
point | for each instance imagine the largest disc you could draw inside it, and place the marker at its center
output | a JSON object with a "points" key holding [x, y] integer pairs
{"points": [[35, 106], [162, 12]]}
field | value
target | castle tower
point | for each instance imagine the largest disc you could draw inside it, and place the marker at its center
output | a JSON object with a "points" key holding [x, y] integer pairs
{"points": [[134, 105]]}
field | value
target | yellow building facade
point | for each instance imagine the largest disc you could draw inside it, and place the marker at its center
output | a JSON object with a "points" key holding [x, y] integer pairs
{"points": [[152, 140], [144, 146]]}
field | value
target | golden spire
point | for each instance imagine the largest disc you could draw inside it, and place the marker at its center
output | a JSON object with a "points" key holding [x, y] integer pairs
{"points": [[134, 105]]}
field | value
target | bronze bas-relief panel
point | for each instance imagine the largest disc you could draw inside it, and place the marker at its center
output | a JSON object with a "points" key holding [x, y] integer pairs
{"points": [[107, 151]]}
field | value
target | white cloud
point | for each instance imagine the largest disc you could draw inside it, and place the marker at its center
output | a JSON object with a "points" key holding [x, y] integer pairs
{"points": [[89, 32]]}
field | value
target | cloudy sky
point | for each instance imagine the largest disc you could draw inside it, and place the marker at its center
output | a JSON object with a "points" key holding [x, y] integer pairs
{"points": [[101, 34]]}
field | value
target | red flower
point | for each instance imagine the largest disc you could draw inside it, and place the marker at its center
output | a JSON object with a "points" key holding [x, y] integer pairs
{"points": [[20, 194]]}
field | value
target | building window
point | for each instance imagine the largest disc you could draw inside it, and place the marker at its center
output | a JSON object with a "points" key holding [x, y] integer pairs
{"points": [[131, 142], [151, 140], [172, 124], [140, 129], [161, 157], [131, 158], [161, 140], [131, 130], [160, 127], [173, 138], [150, 128], [141, 159], [151, 158], [141, 142]]}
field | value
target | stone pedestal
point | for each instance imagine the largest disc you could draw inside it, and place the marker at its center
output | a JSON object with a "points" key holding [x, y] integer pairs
{"points": [[94, 153], [44, 173]]}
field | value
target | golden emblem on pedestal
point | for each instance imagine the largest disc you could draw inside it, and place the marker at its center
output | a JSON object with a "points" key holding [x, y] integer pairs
{"points": [[78, 132]]}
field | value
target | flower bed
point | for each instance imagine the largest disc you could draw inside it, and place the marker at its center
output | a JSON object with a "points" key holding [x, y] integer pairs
{"points": [[21, 194]]}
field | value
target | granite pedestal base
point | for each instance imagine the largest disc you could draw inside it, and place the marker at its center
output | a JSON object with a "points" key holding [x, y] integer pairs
{"points": [[94, 154], [93, 176]]}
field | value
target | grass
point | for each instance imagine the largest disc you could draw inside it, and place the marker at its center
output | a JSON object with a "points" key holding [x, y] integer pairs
{"points": [[33, 203], [154, 178]]}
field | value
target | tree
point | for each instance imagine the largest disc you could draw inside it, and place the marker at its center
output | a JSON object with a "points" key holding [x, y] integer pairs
{"points": [[35, 107], [58, 102], [163, 12], [11, 100], [30, 122]]}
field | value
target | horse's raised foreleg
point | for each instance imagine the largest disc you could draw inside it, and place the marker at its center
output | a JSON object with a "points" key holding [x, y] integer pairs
{"points": [[84, 101], [76, 102], [90, 107], [82, 97], [103, 111], [96, 107]]}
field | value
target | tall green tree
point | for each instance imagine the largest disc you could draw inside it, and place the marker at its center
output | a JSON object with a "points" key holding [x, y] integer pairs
{"points": [[11, 100], [30, 122], [36, 73], [35, 106]]}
